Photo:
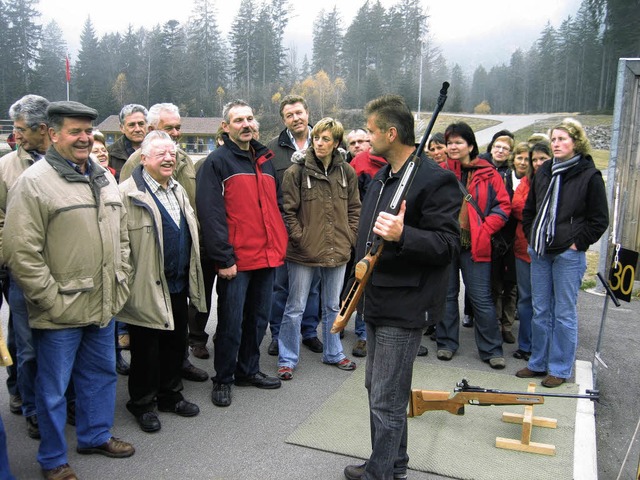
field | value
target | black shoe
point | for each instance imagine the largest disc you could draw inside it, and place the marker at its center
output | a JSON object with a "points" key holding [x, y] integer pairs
{"points": [[71, 413], [122, 367], [431, 329], [149, 422], [314, 344], [467, 321], [273, 347], [259, 380], [182, 408], [356, 472], [522, 355], [32, 427], [221, 394], [423, 351], [194, 374], [15, 404]]}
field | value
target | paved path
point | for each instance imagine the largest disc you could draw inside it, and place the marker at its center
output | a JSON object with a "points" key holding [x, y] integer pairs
{"points": [[247, 439], [508, 122]]}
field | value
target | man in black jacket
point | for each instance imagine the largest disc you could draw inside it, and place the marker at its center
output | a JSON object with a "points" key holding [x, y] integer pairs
{"points": [[295, 137], [410, 277]]}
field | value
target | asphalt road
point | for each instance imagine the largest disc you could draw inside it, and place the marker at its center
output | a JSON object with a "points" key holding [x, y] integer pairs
{"points": [[247, 439]]}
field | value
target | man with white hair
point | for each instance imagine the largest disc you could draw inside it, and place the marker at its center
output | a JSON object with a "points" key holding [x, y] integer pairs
{"points": [[166, 117]]}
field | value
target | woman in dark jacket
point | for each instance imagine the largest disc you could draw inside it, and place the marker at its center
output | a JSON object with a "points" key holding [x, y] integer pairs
{"points": [[566, 211], [321, 210]]}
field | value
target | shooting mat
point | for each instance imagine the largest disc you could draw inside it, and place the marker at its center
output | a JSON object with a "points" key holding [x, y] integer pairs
{"points": [[450, 445]]}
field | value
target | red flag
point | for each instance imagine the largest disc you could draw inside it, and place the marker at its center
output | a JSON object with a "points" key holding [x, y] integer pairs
{"points": [[68, 71]]}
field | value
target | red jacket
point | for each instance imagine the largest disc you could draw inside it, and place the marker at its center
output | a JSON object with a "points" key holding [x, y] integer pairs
{"points": [[453, 166], [238, 208], [366, 167], [517, 205], [489, 192]]}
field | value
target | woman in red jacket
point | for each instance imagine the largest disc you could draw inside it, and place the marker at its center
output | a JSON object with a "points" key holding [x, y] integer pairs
{"points": [[539, 153], [487, 189]]}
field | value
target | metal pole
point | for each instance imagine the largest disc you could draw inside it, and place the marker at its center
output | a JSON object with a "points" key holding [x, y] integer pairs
{"points": [[420, 84]]}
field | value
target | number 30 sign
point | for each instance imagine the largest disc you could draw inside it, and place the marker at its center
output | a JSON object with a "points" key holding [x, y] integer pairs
{"points": [[623, 273]]}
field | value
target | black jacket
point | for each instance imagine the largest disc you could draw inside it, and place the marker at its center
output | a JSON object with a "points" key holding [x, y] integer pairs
{"points": [[583, 214], [282, 152], [411, 275]]}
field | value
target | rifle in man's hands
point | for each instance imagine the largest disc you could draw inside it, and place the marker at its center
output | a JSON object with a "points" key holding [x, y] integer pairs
{"points": [[364, 267], [464, 394]]}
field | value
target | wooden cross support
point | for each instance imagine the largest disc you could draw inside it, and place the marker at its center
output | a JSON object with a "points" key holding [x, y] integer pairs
{"points": [[527, 420]]}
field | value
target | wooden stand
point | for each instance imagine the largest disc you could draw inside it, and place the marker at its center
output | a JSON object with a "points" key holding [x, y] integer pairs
{"points": [[527, 420]]}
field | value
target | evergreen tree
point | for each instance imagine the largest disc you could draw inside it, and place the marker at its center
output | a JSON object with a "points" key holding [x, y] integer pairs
{"points": [[50, 75], [207, 66], [243, 52], [458, 90], [91, 87], [327, 43], [22, 43]]}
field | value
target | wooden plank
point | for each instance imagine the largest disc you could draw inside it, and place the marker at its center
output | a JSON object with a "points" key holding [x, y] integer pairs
{"points": [[533, 447], [545, 422]]}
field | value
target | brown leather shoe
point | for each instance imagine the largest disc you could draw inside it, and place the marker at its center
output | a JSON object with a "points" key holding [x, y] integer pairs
{"points": [[62, 472], [199, 351], [194, 374], [551, 382], [526, 373], [507, 337], [114, 448]]}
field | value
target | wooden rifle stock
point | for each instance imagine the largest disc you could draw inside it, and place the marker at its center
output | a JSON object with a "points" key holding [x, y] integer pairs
{"points": [[364, 267], [429, 400], [464, 394]]}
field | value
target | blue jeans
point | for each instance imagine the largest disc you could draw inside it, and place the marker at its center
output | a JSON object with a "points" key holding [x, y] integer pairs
{"points": [[86, 354], [525, 308], [244, 304], [390, 355], [361, 327], [555, 281], [311, 316], [27, 365], [300, 280], [5, 471], [477, 282]]}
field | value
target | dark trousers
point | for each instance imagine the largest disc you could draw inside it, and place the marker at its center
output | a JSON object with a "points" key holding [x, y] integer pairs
{"points": [[156, 361], [244, 304]]}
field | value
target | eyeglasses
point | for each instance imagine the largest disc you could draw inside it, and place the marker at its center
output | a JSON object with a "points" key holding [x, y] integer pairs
{"points": [[500, 147]]}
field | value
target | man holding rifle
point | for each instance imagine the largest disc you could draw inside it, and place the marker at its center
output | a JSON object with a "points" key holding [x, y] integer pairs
{"points": [[410, 276]]}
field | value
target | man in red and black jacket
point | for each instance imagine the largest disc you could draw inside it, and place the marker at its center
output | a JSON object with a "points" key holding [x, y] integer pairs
{"points": [[244, 234]]}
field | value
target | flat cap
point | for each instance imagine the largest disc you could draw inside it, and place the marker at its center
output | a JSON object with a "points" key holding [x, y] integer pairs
{"points": [[71, 109]]}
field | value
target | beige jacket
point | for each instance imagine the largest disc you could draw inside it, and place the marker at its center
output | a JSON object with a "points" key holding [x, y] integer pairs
{"points": [[149, 304], [11, 167], [66, 244]]}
